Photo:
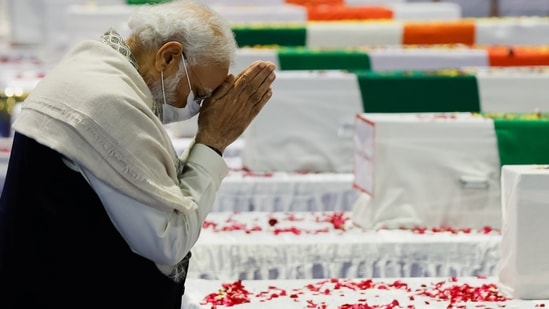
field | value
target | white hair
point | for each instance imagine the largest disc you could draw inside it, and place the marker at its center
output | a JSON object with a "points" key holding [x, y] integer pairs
{"points": [[206, 37]]}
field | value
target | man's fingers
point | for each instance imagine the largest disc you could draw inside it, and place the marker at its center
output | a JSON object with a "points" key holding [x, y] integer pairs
{"points": [[235, 104], [225, 87], [254, 83], [256, 73], [266, 97]]}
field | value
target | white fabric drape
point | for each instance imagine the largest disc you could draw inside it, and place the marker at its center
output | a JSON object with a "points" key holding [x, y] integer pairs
{"points": [[335, 253], [429, 170], [306, 293]]}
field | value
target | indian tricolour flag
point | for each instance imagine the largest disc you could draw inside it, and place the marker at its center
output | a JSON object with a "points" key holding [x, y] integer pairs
{"points": [[440, 169]]}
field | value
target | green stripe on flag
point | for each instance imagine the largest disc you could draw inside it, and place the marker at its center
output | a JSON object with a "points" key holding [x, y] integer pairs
{"points": [[522, 141], [416, 91], [270, 35], [301, 58]]}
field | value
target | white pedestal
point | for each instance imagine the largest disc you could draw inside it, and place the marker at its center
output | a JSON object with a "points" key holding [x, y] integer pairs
{"points": [[524, 268]]}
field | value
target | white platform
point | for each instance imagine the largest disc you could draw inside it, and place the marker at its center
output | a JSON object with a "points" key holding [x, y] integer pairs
{"points": [[307, 245], [428, 293], [243, 191]]}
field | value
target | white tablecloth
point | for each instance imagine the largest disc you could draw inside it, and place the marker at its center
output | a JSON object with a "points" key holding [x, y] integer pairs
{"points": [[243, 191], [310, 245], [431, 293]]}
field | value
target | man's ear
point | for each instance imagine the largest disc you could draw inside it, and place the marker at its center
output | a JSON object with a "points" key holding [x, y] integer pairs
{"points": [[166, 54]]}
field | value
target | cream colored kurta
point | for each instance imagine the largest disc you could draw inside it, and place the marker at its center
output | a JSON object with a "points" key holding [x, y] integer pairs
{"points": [[96, 110]]}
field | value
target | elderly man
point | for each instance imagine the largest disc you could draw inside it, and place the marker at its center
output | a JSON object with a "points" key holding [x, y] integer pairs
{"points": [[98, 211]]}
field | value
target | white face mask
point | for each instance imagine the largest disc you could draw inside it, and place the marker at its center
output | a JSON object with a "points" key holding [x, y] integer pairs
{"points": [[171, 113]]}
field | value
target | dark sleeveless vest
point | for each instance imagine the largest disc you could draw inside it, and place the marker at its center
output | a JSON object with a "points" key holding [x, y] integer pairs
{"points": [[58, 247]]}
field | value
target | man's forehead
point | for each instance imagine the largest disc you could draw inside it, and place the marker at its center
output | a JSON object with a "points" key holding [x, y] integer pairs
{"points": [[211, 76]]}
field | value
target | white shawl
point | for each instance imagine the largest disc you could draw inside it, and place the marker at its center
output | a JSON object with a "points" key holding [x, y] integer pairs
{"points": [[95, 109]]}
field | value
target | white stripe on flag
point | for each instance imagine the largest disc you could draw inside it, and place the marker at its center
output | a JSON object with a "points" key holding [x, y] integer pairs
{"points": [[246, 56], [512, 31], [426, 11], [513, 91], [426, 59], [353, 34]]}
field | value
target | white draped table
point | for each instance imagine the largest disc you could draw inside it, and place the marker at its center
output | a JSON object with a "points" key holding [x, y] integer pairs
{"points": [[307, 245], [430, 293], [242, 191]]}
